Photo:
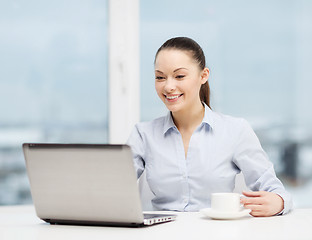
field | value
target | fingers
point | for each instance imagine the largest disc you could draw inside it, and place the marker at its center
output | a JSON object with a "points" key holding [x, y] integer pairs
{"points": [[262, 203], [252, 198], [258, 214], [254, 194], [252, 201], [254, 207], [257, 209], [255, 204]]}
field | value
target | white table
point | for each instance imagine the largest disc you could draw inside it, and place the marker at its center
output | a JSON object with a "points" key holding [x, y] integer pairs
{"points": [[21, 222]]}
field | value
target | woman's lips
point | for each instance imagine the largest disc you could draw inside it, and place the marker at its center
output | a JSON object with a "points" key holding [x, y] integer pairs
{"points": [[173, 98]]}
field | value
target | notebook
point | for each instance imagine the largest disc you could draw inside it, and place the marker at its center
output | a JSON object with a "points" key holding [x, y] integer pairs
{"points": [[86, 184]]}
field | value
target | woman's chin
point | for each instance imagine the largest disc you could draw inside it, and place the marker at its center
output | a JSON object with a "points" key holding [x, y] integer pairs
{"points": [[173, 108]]}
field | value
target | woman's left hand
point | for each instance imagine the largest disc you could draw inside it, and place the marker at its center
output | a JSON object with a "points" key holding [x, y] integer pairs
{"points": [[262, 203]]}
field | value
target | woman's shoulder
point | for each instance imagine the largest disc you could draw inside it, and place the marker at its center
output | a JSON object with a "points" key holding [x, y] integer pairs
{"points": [[146, 129], [152, 124], [230, 123], [228, 119], [232, 128]]}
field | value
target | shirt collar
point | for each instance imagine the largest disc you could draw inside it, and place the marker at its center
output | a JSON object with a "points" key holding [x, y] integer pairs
{"points": [[208, 118], [169, 124]]}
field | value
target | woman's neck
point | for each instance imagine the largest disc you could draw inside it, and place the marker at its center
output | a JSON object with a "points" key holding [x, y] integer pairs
{"points": [[190, 118]]}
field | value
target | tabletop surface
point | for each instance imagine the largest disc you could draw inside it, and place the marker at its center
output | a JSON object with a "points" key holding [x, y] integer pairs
{"points": [[21, 222]]}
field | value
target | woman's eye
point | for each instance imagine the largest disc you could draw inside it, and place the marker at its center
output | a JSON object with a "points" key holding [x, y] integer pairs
{"points": [[180, 76], [159, 78]]}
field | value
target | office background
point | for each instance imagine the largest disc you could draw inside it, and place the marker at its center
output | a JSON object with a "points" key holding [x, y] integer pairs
{"points": [[54, 75]]}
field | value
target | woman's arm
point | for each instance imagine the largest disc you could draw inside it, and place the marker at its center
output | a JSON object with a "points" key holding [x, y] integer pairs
{"points": [[269, 196], [136, 143]]}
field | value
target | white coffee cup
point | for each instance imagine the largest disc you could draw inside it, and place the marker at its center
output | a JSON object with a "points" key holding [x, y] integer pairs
{"points": [[225, 202]]}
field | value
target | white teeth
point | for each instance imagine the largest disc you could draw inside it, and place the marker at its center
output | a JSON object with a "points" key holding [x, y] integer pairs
{"points": [[172, 97]]}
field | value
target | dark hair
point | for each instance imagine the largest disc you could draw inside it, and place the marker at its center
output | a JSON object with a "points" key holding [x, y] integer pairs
{"points": [[188, 44]]}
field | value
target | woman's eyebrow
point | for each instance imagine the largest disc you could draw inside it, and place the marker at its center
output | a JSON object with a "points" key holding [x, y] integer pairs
{"points": [[173, 71], [180, 69]]}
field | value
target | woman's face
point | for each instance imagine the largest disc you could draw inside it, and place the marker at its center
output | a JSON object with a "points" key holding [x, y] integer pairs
{"points": [[178, 79]]}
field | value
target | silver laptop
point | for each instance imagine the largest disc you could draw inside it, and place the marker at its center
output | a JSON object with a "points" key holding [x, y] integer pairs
{"points": [[86, 184]]}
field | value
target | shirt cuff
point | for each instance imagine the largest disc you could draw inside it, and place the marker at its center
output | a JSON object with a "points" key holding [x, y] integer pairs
{"points": [[288, 204]]}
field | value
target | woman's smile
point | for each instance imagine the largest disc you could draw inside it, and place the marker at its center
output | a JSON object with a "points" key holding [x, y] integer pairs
{"points": [[172, 97]]}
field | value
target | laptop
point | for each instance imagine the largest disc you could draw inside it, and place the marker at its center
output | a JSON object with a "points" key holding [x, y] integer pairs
{"points": [[86, 184]]}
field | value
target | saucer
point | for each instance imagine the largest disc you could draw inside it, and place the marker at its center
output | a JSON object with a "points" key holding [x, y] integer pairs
{"points": [[208, 212]]}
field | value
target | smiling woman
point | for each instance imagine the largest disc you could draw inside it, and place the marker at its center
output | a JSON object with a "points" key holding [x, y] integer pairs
{"points": [[259, 56], [176, 84], [195, 61], [194, 151]]}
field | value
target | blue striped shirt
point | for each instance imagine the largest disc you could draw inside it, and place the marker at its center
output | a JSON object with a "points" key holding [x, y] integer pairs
{"points": [[219, 149]]}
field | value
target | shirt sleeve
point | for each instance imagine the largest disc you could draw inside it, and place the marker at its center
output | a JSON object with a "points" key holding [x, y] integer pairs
{"points": [[136, 143], [258, 171]]}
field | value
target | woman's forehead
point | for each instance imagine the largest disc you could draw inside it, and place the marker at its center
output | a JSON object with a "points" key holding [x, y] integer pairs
{"points": [[173, 58]]}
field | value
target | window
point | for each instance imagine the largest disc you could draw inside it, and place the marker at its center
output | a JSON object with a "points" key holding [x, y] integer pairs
{"points": [[259, 55], [54, 77]]}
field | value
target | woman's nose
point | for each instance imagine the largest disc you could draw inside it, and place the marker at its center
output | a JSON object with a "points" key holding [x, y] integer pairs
{"points": [[170, 85]]}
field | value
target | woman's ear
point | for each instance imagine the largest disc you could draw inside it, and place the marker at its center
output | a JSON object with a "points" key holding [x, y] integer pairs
{"points": [[204, 75]]}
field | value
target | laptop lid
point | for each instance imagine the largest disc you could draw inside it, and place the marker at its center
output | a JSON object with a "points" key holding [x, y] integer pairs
{"points": [[84, 183]]}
